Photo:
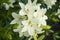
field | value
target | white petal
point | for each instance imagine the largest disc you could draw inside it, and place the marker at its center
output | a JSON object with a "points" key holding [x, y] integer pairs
{"points": [[26, 34], [49, 6], [50, 3], [43, 11], [30, 15], [15, 15], [20, 34], [59, 16], [24, 29], [22, 12], [13, 21], [25, 22], [43, 22], [30, 38], [45, 17], [11, 5], [21, 5], [35, 1], [31, 31], [29, 1], [38, 6], [6, 6], [59, 6], [35, 14], [58, 10], [15, 30], [39, 30]]}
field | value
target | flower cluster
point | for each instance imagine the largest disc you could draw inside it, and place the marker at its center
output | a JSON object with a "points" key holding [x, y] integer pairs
{"points": [[30, 19]]}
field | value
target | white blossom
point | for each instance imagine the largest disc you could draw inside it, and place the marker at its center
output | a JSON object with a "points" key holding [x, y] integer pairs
{"points": [[7, 6], [28, 8], [50, 3], [16, 18], [18, 29], [31, 26], [40, 15]]}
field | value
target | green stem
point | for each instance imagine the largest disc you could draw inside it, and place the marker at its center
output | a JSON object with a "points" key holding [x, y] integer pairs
{"points": [[35, 36]]}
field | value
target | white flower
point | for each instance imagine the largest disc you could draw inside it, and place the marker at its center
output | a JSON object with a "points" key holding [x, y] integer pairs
{"points": [[40, 15], [28, 8], [31, 26], [27, 27], [50, 3], [16, 18], [7, 6], [19, 28]]}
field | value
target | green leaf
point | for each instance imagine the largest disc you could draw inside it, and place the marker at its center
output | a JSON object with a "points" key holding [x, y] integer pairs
{"points": [[46, 26], [41, 37], [15, 26], [34, 36], [51, 31], [9, 36], [55, 19]]}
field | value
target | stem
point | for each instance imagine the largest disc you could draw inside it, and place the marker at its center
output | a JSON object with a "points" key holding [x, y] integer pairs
{"points": [[35, 36]]}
